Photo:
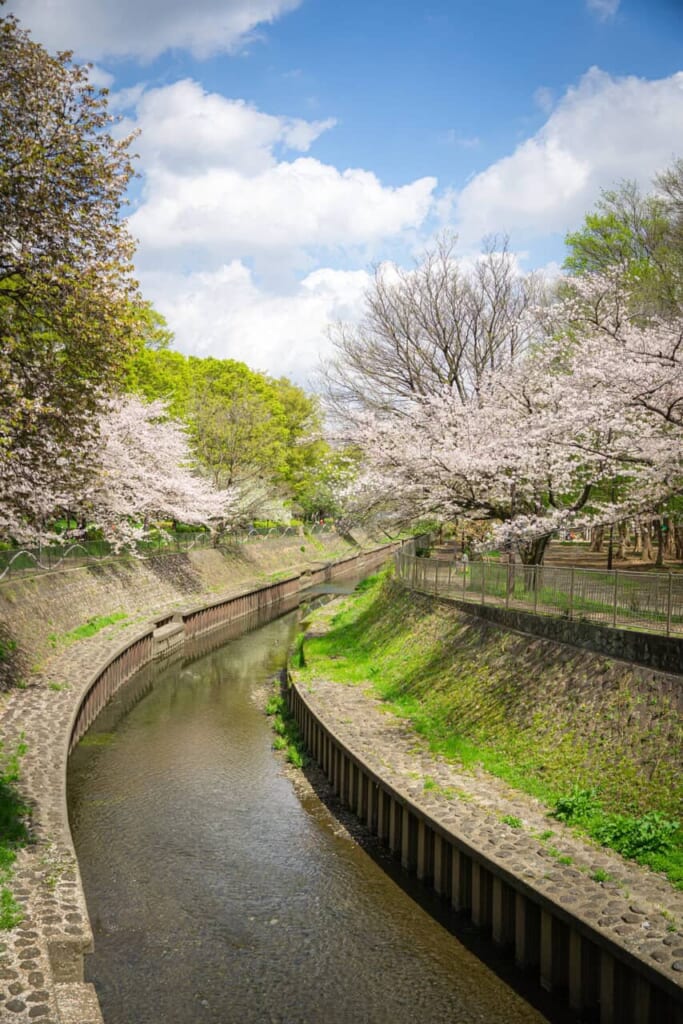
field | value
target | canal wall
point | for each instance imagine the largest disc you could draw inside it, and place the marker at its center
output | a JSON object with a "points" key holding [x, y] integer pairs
{"points": [[607, 948], [41, 960], [40, 611]]}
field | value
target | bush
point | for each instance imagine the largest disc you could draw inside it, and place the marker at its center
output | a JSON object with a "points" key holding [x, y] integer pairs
{"points": [[632, 837], [577, 806], [636, 837]]}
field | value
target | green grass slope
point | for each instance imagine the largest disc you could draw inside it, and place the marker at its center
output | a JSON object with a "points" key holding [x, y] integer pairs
{"points": [[598, 741]]}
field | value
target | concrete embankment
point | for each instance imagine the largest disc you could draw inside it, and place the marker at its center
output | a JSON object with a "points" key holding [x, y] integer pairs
{"points": [[604, 934], [164, 601]]}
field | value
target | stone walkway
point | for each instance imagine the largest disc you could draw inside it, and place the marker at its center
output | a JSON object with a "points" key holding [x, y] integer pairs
{"points": [[46, 880], [638, 908]]}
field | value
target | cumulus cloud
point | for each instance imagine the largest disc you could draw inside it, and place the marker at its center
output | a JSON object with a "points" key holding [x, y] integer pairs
{"points": [[603, 130], [129, 28], [186, 131], [224, 313], [215, 179]]}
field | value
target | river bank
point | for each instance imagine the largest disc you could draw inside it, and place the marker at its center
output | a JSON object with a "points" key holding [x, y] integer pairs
{"points": [[394, 651], [41, 958]]}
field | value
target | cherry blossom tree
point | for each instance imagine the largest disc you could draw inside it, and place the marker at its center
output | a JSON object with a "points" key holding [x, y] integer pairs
{"points": [[586, 429], [141, 470], [147, 473]]}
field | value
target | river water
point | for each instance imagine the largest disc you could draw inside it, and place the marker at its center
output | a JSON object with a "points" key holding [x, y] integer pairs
{"points": [[221, 892]]}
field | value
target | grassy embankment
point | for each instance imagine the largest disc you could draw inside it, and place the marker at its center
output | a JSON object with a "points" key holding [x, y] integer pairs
{"points": [[597, 741]]}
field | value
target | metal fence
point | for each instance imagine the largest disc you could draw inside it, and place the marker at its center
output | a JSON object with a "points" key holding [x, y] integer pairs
{"points": [[18, 561], [625, 600]]}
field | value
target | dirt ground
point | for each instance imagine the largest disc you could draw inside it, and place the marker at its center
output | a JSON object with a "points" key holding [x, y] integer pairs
{"points": [[577, 553]]}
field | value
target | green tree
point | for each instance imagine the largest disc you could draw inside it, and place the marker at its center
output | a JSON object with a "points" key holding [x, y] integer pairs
{"points": [[634, 234], [68, 302], [245, 426]]}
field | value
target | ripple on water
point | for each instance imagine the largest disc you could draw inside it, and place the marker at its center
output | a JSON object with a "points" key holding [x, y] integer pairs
{"points": [[217, 895]]}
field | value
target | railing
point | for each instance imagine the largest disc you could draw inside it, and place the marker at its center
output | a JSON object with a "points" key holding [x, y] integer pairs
{"points": [[624, 600], [44, 558]]}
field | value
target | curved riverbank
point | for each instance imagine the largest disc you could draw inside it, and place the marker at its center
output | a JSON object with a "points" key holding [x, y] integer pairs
{"points": [[443, 820], [41, 962]]}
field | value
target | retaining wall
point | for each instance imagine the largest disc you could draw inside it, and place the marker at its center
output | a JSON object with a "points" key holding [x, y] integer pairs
{"points": [[571, 955], [663, 653]]}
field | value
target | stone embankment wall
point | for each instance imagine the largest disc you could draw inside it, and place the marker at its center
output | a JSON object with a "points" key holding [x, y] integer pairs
{"points": [[662, 653], [41, 961], [39, 609], [603, 949]]}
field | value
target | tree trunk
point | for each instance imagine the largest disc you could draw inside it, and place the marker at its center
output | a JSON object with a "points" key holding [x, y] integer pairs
{"points": [[646, 541], [660, 534], [531, 555], [678, 535], [623, 541], [597, 537]]}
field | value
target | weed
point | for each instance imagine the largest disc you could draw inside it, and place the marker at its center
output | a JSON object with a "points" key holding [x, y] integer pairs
{"points": [[577, 805], [430, 783], [88, 628], [274, 704], [287, 736], [636, 837], [298, 656], [600, 875], [512, 820]]}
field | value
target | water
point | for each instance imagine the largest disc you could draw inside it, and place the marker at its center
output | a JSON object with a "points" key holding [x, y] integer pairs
{"points": [[221, 893]]}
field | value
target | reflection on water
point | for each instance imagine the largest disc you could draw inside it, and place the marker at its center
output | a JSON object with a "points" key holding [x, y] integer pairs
{"points": [[217, 895]]}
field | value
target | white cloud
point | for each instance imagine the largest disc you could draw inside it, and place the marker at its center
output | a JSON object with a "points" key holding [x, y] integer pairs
{"points": [[214, 180], [100, 78], [604, 9], [603, 130], [131, 28], [225, 314], [186, 131]]}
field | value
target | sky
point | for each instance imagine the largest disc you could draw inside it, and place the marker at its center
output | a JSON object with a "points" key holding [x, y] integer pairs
{"points": [[288, 147]]}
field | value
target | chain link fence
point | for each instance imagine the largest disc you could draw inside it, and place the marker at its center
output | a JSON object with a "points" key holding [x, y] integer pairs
{"points": [[621, 599], [18, 561]]}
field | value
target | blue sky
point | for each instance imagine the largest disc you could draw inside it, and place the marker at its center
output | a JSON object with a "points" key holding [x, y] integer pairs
{"points": [[287, 146]]}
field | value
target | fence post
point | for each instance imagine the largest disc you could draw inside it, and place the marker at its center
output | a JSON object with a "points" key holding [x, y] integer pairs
{"points": [[536, 568], [668, 605], [483, 581], [464, 579], [510, 572], [436, 579], [450, 574], [571, 593], [616, 588]]}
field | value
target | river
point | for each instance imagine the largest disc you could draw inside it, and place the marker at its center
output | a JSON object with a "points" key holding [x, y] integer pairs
{"points": [[219, 891]]}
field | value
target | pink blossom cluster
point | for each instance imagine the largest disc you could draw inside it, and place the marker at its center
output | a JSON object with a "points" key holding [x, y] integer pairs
{"points": [[586, 428]]}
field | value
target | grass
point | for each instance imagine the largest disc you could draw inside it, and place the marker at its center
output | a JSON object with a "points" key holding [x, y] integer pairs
{"points": [[89, 628], [545, 719], [651, 838], [13, 832], [287, 736]]}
